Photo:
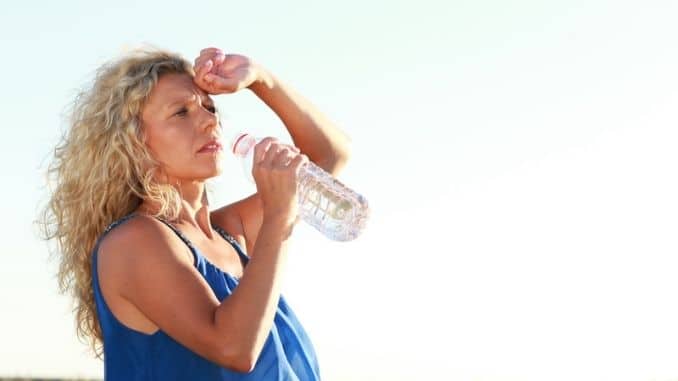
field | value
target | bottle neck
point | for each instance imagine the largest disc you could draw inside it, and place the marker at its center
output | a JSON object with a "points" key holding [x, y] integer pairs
{"points": [[243, 145]]}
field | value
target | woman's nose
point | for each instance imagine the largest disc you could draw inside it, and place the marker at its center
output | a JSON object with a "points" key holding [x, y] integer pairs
{"points": [[210, 119]]}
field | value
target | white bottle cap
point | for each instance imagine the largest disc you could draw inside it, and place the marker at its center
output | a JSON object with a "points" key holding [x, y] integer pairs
{"points": [[242, 143]]}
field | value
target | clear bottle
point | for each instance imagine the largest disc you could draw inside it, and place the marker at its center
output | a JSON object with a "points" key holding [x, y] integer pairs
{"points": [[325, 203]]}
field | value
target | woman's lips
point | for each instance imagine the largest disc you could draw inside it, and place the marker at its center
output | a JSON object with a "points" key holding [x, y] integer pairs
{"points": [[212, 146]]}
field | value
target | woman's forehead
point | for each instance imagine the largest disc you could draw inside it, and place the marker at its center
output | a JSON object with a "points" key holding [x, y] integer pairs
{"points": [[171, 91], [173, 88]]}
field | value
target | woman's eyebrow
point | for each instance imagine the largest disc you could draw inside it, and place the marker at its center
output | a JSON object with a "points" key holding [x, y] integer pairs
{"points": [[189, 99], [179, 101]]}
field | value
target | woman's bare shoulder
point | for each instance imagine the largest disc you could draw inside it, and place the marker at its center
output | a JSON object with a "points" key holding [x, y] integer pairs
{"points": [[141, 240]]}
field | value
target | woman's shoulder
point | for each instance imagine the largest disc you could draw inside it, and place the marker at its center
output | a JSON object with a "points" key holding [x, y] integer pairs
{"points": [[138, 241], [134, 229]]}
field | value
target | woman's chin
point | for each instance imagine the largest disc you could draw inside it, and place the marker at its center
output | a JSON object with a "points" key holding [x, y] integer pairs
{"points": [[202, 175], [214, 173], [203, 172]]}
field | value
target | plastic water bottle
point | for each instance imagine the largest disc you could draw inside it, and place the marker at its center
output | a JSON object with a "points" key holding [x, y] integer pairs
{"points": [[324, 202]]}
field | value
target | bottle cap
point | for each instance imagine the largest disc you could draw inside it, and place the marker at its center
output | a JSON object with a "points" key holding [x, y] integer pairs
{"points": [[241, 143]]}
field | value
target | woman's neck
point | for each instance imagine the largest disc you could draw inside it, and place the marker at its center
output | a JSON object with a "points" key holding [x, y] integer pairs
{"points": [[194, 208]]}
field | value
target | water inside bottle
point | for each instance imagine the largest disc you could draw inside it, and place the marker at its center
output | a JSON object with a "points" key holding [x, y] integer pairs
{"points": [[330, 206]]}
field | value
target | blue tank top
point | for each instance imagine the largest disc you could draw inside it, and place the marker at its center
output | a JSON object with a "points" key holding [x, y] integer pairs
{"points": [[287, 355]]}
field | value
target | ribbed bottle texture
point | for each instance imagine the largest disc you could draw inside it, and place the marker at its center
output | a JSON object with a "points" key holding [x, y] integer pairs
{"points": [[324, 202]]}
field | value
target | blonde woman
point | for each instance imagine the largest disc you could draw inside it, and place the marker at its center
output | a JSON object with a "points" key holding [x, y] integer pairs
{"points": [[161, 280]]}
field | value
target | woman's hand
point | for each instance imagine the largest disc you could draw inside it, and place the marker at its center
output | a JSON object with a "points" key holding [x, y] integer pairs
{"points": [[275, 169], [219, 73]]}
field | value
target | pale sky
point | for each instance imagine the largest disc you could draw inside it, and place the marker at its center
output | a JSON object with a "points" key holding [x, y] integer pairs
{"points": [[519, 157]]}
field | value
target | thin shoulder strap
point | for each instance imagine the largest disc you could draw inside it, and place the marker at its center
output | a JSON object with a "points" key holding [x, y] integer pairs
{"points": [[110, 227], [178, 233], [243, 257], [185, 239], [233, 243], [127, 217], [116, 223]]}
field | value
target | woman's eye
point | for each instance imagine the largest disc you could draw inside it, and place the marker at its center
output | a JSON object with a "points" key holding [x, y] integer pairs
{"points": [[184, 111]]}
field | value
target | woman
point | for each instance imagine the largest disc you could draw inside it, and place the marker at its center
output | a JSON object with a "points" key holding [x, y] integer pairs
{"points": [[159, 279]]}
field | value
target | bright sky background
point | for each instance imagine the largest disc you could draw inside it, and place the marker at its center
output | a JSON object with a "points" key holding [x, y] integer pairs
{"points": [[519, 156]]}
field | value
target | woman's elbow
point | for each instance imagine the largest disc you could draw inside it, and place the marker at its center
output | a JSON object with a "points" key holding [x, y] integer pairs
{"points": [[244, 366], [335, 163], [242, 361]]}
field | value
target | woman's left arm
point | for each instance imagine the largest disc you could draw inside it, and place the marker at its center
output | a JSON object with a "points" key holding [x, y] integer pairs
{"points": [[312, 132]]}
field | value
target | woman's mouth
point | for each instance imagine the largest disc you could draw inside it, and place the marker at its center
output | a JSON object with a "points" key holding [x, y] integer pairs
{"points": [[212, 146]]}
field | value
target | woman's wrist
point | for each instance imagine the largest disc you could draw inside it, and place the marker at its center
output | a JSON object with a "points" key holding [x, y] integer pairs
{"points": [[280, 225], [264, 81]]}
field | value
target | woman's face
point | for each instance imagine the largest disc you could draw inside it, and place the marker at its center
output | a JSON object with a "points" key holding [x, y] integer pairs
{"points": [[178, 121]]}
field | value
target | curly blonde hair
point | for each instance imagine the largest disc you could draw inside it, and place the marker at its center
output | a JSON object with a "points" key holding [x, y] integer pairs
{"points": [[101, 171]]}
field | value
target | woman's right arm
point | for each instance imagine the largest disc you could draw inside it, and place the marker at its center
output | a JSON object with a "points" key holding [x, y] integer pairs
{"points": [[151, 269]]}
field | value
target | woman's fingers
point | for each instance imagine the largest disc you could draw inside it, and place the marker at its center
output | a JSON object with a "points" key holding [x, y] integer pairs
{"points": [[220, 73], [211, 50], [219, 59], [206, 54], [270, 153], [215, 59], [261, 149], [276, 171], [297, 162], [216, 56], [220, 84], [270, 157], [201, 59], [206, 74], [202, 70], [283, 157]]}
